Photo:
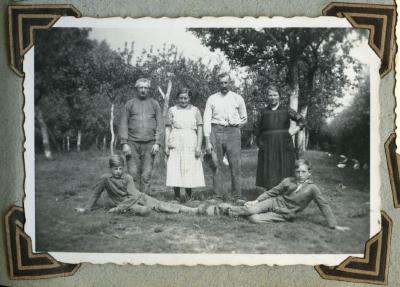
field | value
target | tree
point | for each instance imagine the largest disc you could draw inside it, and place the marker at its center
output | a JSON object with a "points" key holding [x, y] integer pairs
{"points": [[349, 130], [307, 64], [56, 72], [166, 64], [81, 85], [113, 76], [76, 79]]}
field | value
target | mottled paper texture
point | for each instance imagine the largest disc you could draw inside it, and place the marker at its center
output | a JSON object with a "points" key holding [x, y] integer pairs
{"points": [[12, 172]]}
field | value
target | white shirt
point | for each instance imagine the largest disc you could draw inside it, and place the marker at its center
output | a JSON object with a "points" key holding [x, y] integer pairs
{"points": [[226, 110]]}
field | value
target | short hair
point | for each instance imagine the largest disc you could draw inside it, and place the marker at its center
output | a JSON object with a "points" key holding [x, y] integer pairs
{"points": [[116, 161], [302, 161], [143, 80], [184, 90], [273, 88], [223, 75]]}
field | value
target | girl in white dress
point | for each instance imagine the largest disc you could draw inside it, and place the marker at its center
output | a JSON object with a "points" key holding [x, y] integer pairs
{"points": [[183, 140]]}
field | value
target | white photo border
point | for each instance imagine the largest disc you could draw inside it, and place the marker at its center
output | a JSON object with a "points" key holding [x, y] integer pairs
{"points": [[376, 144]]}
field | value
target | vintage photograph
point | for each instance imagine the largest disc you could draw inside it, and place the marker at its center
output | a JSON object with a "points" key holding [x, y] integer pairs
{"points": [[162, 137]]}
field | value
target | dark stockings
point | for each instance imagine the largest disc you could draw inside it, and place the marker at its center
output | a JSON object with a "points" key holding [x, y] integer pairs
{"points": [[177, 191]]}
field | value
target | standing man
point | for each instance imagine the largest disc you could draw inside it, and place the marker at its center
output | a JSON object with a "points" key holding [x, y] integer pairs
{"points": [[140, 132], [224, 114]]}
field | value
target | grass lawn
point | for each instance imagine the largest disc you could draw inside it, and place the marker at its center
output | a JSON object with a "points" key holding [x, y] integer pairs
{"points": [[65, 183]]}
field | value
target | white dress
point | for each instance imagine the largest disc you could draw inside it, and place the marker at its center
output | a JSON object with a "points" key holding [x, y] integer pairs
{"points": [[183, 168]]}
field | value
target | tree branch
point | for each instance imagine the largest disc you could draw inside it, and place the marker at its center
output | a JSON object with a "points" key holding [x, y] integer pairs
{"points": [[277, 43]]}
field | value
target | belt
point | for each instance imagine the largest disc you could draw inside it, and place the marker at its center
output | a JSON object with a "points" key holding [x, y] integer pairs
{"points": [[223, 126]]}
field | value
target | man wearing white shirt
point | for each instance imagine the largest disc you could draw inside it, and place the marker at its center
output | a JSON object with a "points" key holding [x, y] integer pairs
{"points": [[224, 114]]}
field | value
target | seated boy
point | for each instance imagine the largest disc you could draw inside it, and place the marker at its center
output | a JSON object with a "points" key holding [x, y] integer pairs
{"points": [[123, 195], [282, 202]]}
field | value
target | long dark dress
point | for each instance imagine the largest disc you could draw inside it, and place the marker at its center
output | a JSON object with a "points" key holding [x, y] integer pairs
{"points": [[276, 155]]}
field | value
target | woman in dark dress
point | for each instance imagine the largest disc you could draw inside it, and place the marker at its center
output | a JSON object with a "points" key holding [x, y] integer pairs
{"points": [[276, 155]]}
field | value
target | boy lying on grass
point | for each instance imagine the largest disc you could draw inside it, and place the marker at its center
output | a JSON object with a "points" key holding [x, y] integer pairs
{"points": [[282, 202], [123, 195]]}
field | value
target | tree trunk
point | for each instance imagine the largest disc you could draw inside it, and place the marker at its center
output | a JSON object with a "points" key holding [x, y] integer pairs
{"points": [[63, 144], [97, 142], [166, 96], [112, 129], [294, 96], [308, 138], [104, 143], [78, 141], [68, 144], [301, 136], [293, 71], [254, 119], [165, 107], [294, 85], [45, 134]]}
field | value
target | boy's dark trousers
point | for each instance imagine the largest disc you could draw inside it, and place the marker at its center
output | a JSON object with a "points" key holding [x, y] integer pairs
{"points": [[140, 164]]}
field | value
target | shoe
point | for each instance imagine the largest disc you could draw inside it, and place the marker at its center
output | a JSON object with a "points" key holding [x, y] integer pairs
{"points": [[212, 210], [183, 199], [116, 210], [207, 209], [224, 208]]}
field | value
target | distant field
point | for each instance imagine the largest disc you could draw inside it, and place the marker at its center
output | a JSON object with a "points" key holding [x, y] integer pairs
{"points": [[65, 183]]}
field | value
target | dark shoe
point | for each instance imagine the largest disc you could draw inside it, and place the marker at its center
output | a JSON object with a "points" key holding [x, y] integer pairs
{"points": [[224, 208], [183, 199], [212, 210], [187, 197], [207, 209], [188, 192]]}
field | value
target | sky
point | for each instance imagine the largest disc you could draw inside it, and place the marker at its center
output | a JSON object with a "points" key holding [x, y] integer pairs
{"points": [[144, 38], [187, 43]]}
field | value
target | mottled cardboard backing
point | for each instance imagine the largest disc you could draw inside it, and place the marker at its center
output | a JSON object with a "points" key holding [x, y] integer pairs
{"points": [[11, 175]]}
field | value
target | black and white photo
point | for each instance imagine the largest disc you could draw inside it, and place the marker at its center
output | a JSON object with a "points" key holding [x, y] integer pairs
{"points": [[202, 141]]}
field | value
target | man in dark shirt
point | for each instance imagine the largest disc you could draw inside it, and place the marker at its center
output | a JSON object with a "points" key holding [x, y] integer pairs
{"points": [[140, 132]]}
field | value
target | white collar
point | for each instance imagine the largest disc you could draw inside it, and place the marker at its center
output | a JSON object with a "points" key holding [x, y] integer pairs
{"points": [[276, 107]]}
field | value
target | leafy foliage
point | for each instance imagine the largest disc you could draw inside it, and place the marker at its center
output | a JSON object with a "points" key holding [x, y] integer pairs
{"points": [[77, 79], [349, 131], [307, 63], [168, 64]]}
